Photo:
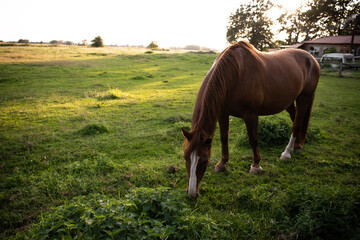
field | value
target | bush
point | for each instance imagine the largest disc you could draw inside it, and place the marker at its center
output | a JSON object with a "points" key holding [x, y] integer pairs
{"points": [[144, 214]]}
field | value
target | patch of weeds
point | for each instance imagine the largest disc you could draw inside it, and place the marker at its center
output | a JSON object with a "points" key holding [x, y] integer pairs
{"points": [[77, 178], [329, 212], [181, 124], [97, 54], [313, 134], [139, 78], [114, 94], [149, 52], [93, 129], [263, 197], [111, 94], [272, 131], [276, 131], [144, 213], [102, 164], [178, 118], [175, 129]]}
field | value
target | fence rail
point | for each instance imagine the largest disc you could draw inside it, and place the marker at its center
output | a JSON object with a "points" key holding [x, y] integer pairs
{"points": [[342, 67]]}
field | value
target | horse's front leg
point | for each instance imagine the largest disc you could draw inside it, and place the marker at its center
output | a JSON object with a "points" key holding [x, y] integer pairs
{"points": [[251, 122], [224, 137]]}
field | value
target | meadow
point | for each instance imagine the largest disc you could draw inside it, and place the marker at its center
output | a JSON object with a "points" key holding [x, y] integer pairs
{"points": [[91, 147]]}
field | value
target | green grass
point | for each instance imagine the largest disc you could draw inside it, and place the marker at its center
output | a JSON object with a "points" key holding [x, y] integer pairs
{"points": [[103, 124]]}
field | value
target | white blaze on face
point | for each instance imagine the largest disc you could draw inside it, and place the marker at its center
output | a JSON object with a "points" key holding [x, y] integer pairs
{"points": [[194, 159]]}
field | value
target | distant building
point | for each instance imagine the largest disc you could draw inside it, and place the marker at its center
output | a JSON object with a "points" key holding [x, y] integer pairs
{"points": [[321, 46]]}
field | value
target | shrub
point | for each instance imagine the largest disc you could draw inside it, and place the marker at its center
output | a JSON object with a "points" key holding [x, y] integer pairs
{"points": [[144, 214]]}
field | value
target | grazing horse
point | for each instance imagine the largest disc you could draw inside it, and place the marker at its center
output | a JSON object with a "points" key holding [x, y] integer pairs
{"points": [[246, 83]]}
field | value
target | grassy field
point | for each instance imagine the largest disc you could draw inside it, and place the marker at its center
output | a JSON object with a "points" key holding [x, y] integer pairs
{"points": [[85, 132]]}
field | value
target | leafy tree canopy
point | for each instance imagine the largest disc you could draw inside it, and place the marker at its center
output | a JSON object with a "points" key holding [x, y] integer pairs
{"points": [[97, 42], [250, 22], [319, 18], [316, 18], [153, 45]]}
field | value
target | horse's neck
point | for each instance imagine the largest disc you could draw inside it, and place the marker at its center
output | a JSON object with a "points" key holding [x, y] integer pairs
{"points": [[204, 116]]}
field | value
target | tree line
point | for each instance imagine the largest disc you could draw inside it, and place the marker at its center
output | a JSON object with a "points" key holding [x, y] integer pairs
{"points": [[96, 42], [315, 18]]}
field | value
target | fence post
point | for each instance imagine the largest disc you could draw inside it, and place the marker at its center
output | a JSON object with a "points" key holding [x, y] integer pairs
{"points": [[341, 68]]}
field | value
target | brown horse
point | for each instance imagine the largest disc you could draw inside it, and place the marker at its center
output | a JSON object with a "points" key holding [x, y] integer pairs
{"points": [[246, 83]]}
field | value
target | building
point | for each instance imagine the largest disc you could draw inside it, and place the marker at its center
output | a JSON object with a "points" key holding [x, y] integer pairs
{"points": [[338, 44]]}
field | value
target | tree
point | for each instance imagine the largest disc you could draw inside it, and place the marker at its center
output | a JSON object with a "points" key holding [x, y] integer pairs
{"points": [[297, 26], [319, 18], [23, 41], [69, 43], [250, 22], [153, 45], [331, 15], [97, 42]]}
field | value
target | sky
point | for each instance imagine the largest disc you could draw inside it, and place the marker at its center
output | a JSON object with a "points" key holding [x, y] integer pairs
{"points": [[123, 22]]}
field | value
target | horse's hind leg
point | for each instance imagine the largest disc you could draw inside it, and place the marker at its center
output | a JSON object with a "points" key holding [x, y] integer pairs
{"points": [[224, 136], [300, 125], [306, 104], [251, 122], [292, 111], [290, 147]]}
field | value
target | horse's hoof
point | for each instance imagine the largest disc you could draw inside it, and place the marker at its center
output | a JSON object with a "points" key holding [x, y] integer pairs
{"points": [[285, 158], [218, 169], [255, 170]]}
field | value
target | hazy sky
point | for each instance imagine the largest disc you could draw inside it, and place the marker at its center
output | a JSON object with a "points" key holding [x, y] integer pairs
{"points": [[133, 22]]}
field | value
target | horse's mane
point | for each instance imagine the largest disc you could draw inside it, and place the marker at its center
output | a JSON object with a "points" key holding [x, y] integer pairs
{"points": [[226, 70]]}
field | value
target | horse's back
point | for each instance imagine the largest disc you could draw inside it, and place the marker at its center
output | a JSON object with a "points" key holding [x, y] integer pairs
{"points": [[274, 81], [293, 66]]}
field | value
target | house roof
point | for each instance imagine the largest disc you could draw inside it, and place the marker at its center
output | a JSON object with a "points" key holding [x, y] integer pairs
{"points": [[328, 40], [336, 40]]}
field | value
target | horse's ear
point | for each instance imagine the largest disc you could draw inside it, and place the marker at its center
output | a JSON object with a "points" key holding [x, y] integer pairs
{"points": [[187, 134]]}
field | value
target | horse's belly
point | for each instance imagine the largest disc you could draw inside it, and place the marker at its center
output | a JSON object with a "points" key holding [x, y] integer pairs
{"points": [[276, 105], [265, 107]]}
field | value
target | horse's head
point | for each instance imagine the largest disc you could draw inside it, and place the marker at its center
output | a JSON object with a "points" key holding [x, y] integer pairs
{"points": [[197, 150]]}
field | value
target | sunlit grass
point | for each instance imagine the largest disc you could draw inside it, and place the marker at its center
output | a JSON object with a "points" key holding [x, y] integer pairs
{"points": [[110, 124], [38, 53]]}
